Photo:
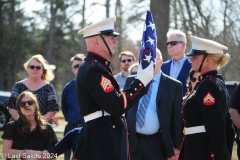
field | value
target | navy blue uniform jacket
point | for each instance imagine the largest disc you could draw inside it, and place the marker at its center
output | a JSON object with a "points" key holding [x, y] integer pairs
{"points": [[104, 138]]}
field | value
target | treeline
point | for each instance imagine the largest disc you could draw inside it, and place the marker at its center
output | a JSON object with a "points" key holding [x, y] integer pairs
{"points": [[52, 31]]}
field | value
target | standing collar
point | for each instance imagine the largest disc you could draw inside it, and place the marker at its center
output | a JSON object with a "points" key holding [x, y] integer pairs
{"points": [[207, 74], [99, 59]]}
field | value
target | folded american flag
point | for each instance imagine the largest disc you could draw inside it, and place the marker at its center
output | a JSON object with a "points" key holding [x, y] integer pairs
{"points": [[148, 44]]}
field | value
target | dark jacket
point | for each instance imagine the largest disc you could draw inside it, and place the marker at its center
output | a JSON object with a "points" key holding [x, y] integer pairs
{"points": [[183, 75], [103, 138], [169, 103], [207, 106]]}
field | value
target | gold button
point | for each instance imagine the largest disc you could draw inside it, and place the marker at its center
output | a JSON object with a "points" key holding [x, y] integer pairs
{"points": [[140, 84], [95, 60], [135, 89], [130, 94], [113, 126], [106, 62], [212, 155]]}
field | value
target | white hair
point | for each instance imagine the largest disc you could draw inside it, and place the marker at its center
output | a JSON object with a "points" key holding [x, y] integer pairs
{"points": [[181, 35]]}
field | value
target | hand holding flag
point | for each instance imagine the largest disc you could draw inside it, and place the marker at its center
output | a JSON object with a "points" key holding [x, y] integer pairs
{"points": [[148, 51]]}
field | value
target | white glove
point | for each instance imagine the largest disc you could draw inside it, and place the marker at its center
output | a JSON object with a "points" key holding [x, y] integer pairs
{"points": [[145, 75]]}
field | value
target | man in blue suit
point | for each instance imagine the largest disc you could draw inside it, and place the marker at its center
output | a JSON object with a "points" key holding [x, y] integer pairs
{"points": [[179, 66], [159, 136]]}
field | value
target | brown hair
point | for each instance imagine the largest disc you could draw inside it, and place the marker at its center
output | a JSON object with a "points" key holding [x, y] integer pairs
{"points": [[24, 123], [127, 53], [47, 68]]}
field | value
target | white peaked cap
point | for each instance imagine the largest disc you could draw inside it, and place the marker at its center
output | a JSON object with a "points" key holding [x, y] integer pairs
{"points": [[105, 27], [201, 46]]}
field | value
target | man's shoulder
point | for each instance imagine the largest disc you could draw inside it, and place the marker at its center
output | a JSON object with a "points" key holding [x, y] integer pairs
{"points": [[167, 62], [70, 83], [118, 75], [171, 79]]}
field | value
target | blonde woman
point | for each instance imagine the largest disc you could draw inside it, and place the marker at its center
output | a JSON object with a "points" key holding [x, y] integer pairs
{"points": [[40, 73], [205, 111], [30, 134]]}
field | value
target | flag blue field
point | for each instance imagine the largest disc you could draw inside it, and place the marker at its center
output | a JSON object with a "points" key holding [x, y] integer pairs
{"points": [[148, 43]]}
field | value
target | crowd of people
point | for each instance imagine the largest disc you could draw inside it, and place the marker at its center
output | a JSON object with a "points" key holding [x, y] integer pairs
{"points": [[180, 111]]}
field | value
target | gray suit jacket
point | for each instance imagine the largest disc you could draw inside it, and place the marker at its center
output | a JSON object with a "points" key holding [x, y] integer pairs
{"points": [[169, 104]]}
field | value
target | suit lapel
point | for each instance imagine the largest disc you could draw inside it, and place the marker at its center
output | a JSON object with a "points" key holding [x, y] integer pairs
{"points": [[185, 68], [161, 87], [168, 66]]}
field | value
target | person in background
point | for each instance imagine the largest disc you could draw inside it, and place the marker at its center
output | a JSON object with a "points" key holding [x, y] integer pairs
{"points": [[205, 110], [68, 142], [40, 73], [126, 59], [102, 103], [192, 81], [159, 136], [30, 133], [70, 106], [179, 66], [133, 69], [235, 113]]}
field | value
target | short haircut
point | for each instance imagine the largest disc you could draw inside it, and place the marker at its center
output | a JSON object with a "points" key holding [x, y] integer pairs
{"points": [[127, 53], [78, 57], [181, 35]]}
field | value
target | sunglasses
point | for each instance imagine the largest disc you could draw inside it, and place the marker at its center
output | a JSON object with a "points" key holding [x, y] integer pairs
{"points": [[193, 79], [76, 66], [33, 67], [173, 43], [124, 61], [24, 103], [134, 73]]}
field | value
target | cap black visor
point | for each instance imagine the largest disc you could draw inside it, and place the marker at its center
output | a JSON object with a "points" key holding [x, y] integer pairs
{"points": [[195, 52]]}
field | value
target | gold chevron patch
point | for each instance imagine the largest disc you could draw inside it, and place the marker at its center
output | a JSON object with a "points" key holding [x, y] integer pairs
{"points": [[208, 100], [106, 84]]}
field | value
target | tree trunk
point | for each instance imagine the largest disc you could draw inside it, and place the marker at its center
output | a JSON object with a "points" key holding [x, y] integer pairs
{"points": [[160, 11], [82, 42], [53, 11], [107, 8]]}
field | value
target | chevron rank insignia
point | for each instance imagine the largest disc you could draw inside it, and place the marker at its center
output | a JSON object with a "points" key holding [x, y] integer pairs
{"points": [[106, 84], [208, 100]]}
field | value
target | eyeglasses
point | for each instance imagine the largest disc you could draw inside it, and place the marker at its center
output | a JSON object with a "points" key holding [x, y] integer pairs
{"points": [[193, 79], [173, 43], [76, 66], [24, 103], [33, 67], [128, 60], [134, 73]]}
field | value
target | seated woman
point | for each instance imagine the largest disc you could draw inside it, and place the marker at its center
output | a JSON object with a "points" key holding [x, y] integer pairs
{"points": [[69, 141], [30, 134]]}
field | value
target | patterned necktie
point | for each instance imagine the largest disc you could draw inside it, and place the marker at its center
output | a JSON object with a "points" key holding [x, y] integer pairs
{"points": [[140, 117]]}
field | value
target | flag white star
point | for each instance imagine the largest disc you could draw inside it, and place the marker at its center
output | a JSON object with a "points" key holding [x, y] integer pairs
{"points": [[148, 58], [151, 25], [150, 40]]}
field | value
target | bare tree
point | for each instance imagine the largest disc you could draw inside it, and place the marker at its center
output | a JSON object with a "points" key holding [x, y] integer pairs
{"points": [[160, 11]]}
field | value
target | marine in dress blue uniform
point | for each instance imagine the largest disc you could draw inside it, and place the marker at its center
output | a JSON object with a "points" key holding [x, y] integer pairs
{"points": [[104, 135], [206, 108]]}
